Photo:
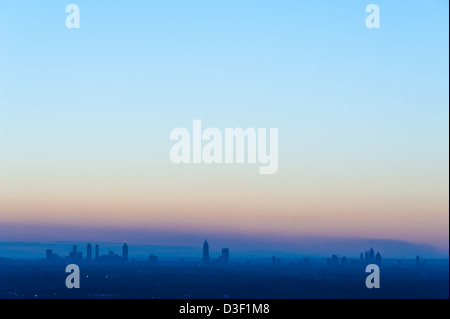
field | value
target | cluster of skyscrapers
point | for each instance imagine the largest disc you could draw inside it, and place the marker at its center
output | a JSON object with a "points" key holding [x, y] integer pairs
{"points": [[77, 256], [369, 257], [223, 259]]}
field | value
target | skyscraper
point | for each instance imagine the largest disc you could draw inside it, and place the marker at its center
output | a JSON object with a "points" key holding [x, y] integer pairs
{"points": [[49, 254], [371, 256], [125, 252], [334, 260], [73, 254], [225, 255], [97, 252], [89, 252], [205, 252], [378, 258]]}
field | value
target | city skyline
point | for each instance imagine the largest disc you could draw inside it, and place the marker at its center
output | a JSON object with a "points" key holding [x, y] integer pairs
{"points": [[76, 256], [115, 251]]}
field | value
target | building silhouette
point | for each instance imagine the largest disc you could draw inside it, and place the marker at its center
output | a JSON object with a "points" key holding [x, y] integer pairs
{"points": [[49, 254], [334, 260], [420, 261], [125, 252], [153, 259], [275, 260], [378, 258], [89, 252], [110, 257], [371, 256], [225, 258], [73, 255], [97, 252], [206, 252]]}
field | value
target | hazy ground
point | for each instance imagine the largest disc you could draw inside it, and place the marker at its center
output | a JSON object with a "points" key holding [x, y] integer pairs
{"points": [[27, 279]]}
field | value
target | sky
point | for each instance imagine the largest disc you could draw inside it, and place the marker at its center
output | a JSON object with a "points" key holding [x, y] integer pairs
{"points": [[362, 114]]}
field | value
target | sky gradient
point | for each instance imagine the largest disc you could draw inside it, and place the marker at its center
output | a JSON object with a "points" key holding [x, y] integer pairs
{"points": [[362, 114]]}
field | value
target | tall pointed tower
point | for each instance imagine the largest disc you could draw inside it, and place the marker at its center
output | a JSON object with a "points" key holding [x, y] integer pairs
{"points": [[206, 252]]}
